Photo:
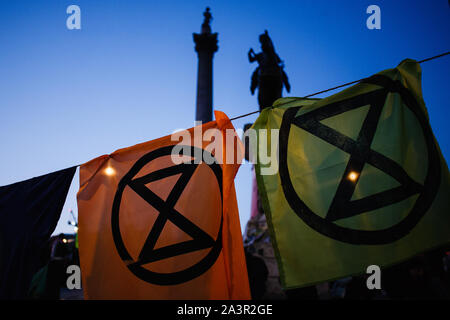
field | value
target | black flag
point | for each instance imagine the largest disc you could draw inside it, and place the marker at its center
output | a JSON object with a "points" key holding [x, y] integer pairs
{"points": [[29, 212]]}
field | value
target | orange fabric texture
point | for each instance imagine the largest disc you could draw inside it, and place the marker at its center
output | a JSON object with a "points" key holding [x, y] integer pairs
{"points": [[151, 227]]}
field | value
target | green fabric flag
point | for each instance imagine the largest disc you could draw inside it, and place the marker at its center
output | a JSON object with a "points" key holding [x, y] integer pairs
{"points": [[360, 181]]}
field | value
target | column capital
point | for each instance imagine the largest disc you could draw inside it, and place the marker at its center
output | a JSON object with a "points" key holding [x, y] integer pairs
{"points": [[205, 42]]}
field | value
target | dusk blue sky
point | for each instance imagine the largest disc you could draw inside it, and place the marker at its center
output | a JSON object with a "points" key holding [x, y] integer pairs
{"points": [[129, 75]]}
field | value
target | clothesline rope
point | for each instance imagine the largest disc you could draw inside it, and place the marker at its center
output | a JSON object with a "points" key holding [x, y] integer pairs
{"points": [[342, 85]]}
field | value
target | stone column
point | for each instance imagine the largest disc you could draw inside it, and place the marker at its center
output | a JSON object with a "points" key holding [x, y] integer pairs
{"points": [[206, 46]]}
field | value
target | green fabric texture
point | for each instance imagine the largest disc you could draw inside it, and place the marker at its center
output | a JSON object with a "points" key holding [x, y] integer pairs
{"points": [[370, 197], [38, 284]]}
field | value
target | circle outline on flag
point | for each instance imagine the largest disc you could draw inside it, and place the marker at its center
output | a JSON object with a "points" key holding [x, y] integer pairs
{"points": [[144, 274], [366, 237]]}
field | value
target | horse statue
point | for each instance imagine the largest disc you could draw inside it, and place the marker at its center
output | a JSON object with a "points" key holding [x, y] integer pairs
{"points": [[269, 77]]}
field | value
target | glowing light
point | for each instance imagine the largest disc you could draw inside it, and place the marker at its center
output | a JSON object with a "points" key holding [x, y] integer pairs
{"points": [[353, 176], [75, 229], [65, 240], [110, 171]]}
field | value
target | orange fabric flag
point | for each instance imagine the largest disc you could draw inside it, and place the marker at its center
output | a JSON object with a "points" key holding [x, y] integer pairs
{"points": [[155, 223]]}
